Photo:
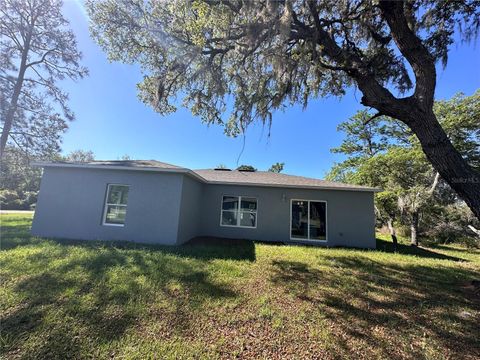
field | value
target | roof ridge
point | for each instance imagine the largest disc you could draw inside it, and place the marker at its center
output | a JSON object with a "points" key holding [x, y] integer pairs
{"points": [[274, 179]]}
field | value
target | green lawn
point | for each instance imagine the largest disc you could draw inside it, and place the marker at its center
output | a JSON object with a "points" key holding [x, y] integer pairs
{"points": [[67, 299]]}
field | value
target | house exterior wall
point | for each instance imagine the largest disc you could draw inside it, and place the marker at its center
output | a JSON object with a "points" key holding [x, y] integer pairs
{"points": [[169, 208], [189, 220], [350, 214], [71, 204]]}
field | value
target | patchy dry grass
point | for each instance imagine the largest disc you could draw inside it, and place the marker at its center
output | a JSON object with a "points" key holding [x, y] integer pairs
{"points": [[67, 299]]}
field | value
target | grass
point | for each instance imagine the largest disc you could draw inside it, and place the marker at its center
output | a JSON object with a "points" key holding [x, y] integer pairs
{"points": [[74, 299]]}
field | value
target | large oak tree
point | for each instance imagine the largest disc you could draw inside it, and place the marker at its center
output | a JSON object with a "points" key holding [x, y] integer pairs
{"points": [[249, 58]]}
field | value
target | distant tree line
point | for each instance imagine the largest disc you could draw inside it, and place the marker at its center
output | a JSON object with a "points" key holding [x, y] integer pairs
{"points": [[276, 168], [20, 182]]}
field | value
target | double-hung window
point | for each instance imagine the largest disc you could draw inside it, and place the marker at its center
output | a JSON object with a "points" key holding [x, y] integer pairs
{"points": [[115, 205], [308, 220], [240, 211]]}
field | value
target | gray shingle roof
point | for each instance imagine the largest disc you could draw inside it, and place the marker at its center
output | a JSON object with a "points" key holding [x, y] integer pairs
{"points": [[257, 178], [268, 178]]}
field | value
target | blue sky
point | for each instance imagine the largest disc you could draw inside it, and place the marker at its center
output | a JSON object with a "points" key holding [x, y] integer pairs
{"points": [[111, 121]]}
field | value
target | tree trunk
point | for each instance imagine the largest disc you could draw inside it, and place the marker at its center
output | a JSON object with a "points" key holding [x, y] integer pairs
{"points": [[414, 229], [473, 229], [451, 166], [446, 159], [393, 233], [417, 111], [9, 118]]}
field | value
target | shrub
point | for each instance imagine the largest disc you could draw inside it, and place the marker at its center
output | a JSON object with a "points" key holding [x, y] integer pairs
{"points": [[451, 225], [17, 200]]}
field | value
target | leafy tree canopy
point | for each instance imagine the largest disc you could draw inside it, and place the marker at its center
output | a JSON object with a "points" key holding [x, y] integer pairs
{"points": [[234, 62], [19, 181], [366, 137], [382, 152], [80, 156], [266, 54], [277, 167], [37, 52], [246, 168], [460, 117]]}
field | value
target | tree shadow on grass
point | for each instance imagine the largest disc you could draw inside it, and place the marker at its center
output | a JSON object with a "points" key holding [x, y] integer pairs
{"points": [[207, 247], [95, 292], [14, 235], [456, 249], [401, 302], [387, 246], [202, 248]]}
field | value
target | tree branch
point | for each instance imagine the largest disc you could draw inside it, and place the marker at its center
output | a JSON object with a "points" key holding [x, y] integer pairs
{"points": [[42, 59], [435, 183], [366, 122], [19, 146], [24, 134], [12, 37], [476, 231], [412, 48], [374, 94]]}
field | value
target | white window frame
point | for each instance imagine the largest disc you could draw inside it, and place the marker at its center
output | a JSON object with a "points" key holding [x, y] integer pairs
{"points": [[106, 204], [238, 211], [308, 225]]}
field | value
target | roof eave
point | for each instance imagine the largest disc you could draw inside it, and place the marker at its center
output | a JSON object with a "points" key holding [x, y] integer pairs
{"points": [[314, 187], [196, 176], [109, 167]]}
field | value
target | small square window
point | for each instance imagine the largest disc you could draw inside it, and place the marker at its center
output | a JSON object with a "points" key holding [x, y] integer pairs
{"points": [[239, 211]]}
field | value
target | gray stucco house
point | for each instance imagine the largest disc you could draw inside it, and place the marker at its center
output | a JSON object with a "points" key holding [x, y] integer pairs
{"points": [[155, 202]]}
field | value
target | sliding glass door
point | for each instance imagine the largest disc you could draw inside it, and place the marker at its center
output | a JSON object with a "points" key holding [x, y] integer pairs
{"points": [[308, 220]]}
